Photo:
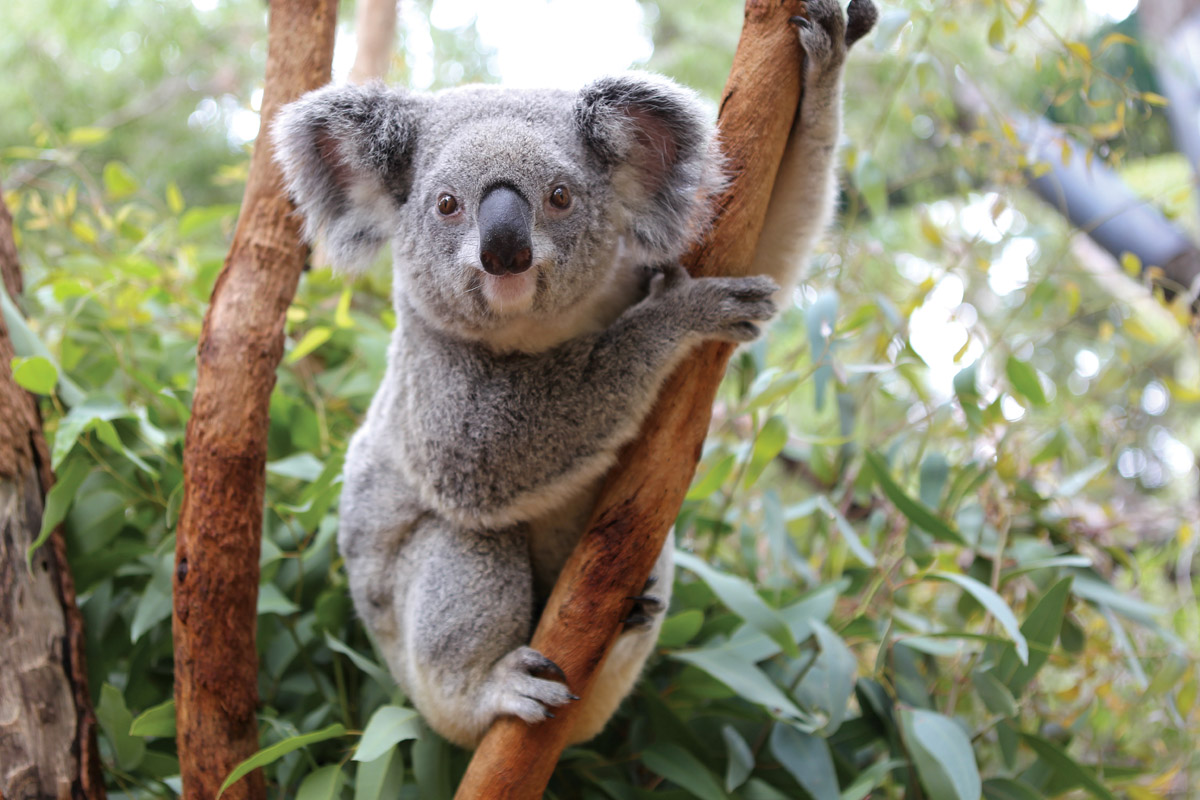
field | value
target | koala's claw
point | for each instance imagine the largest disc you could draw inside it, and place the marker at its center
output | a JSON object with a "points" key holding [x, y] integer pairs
{"points": [[523, 693], [645, 608]]}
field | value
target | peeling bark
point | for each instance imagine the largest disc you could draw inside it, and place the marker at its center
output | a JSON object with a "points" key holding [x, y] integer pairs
{"points": [[220, 523], [643, 494], [47, 725]]}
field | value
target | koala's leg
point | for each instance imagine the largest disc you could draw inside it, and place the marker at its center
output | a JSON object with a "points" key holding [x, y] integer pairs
{"points": [[805, 187], [620, 671], [467, 612]]}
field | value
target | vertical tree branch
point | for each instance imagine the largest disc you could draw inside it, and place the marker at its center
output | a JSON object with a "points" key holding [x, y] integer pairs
{"points": [[47, 725], [220, 522], [643, 494], [375, 30]]}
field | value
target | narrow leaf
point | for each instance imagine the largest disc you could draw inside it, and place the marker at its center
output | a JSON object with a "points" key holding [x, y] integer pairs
{"points": [[995, 606], [916, 513], [268, 755]]}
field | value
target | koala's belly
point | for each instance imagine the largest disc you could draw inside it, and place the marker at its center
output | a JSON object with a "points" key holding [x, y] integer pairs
{"points": [[553, 535]]}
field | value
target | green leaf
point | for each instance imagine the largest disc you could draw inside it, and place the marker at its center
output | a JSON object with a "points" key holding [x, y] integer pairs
{"points": [[174, 198], [767, 445], [115, 720], [314, 338], [1008, 789], [119, 182], [1024, 379], [771, 385], [870, 778], [86, 136], [916, 513], [1068, 772], [680, 629], [821, 320], [271, 754], [995, 695], [26, 343], [380, 779], [807, 759], [157, 720], [58, 501], [1040, 630], [1101, 593], [995, 606], [743, 677], [829, 682], [712, 480], [380, 675], [683, 769], [324, 783], [271, 600], [739, 596], [942, 754], [741, 759], [389, 726], [847, 531], [35, 374]]}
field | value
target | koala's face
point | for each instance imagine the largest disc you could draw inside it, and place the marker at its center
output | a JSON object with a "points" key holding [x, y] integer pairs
{"points": [[500, 204], [509, 214]]}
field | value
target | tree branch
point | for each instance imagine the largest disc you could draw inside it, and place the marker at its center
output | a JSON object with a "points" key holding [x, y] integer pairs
{"points": [[643, 494], [220, 522]]}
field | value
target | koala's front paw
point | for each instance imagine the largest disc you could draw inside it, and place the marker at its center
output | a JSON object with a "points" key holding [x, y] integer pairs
{"points": [[527, 684], [826, 35], [731, 309]]}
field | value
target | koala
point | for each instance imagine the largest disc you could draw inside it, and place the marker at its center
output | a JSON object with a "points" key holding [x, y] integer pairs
{"points": [[539, 304]]}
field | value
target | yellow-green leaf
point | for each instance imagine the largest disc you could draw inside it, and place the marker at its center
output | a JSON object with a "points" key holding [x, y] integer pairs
{"points": [[309, 342]]}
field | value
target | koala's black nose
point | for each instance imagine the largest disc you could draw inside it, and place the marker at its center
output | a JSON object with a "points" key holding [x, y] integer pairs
{"points": [[505, 222]]}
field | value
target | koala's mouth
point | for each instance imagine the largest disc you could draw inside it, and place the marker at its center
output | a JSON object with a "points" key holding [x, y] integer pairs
{"points": [[510, 294]]}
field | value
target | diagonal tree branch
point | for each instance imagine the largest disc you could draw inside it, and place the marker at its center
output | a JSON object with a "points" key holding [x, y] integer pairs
{"points": [[644, 492], [225, 451]]}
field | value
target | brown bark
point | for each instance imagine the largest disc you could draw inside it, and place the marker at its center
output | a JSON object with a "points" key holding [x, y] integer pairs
{"points": [[241, 343], [47, 725], [643, 494], [375, 30]]}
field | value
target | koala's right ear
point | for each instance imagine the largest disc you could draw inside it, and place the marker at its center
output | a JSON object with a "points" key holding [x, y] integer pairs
{"points": [[346, 154]]}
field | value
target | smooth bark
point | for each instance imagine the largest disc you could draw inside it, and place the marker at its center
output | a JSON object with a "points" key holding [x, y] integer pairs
{"points": [[643, 494], [220, 523]]}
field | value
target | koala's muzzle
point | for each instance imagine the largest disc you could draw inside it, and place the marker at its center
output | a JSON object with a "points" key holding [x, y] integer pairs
{"points": [[505, 223]]}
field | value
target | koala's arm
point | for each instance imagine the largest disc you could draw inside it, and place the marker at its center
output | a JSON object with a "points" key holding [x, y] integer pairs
{"points": [[805, 189], [538, 427]]}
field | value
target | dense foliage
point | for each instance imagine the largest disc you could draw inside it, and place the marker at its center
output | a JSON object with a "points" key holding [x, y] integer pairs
{"points": [[941, 542]]}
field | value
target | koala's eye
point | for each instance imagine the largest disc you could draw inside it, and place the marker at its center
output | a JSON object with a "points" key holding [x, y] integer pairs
{"points": [[560, 198], [447, 204]]}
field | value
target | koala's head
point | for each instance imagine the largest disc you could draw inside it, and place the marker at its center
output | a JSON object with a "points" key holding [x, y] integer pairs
{"points": [[500, 203]]}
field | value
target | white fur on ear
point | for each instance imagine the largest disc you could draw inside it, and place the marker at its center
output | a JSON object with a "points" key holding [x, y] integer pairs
{"points": [[345, 152]]}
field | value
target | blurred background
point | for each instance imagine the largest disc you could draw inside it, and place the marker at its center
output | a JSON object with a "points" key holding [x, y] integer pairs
{"points": [[958, 478]]}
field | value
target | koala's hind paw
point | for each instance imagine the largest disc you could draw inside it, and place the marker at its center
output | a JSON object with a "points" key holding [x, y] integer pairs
{"points": [[826, 35], [528, 685], [646, 608]]}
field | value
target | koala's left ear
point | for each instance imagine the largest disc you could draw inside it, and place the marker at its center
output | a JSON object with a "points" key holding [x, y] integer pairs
{"points": [[346, 154], [656, 137]]}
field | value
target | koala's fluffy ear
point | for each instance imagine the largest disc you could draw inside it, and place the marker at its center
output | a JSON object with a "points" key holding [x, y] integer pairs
{"points": [[346, 154], [656, 137]]}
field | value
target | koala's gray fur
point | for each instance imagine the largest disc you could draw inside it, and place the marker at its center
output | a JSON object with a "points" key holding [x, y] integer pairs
{"points": [[507, 395]]}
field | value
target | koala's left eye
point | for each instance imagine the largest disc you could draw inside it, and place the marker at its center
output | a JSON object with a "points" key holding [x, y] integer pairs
{"points": [[560, 197], [447, 204]]}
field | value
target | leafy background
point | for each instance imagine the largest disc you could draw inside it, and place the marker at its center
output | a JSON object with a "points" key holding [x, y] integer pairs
{"points": [[942, 540]]}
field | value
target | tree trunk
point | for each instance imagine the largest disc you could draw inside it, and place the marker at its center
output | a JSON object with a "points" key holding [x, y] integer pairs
{"points": [[375, 30], [643, 494], [220, 523], [47, 726]]}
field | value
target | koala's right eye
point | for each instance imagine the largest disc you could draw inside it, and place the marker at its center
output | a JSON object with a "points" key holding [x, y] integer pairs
{"points": [[447, 204]]}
